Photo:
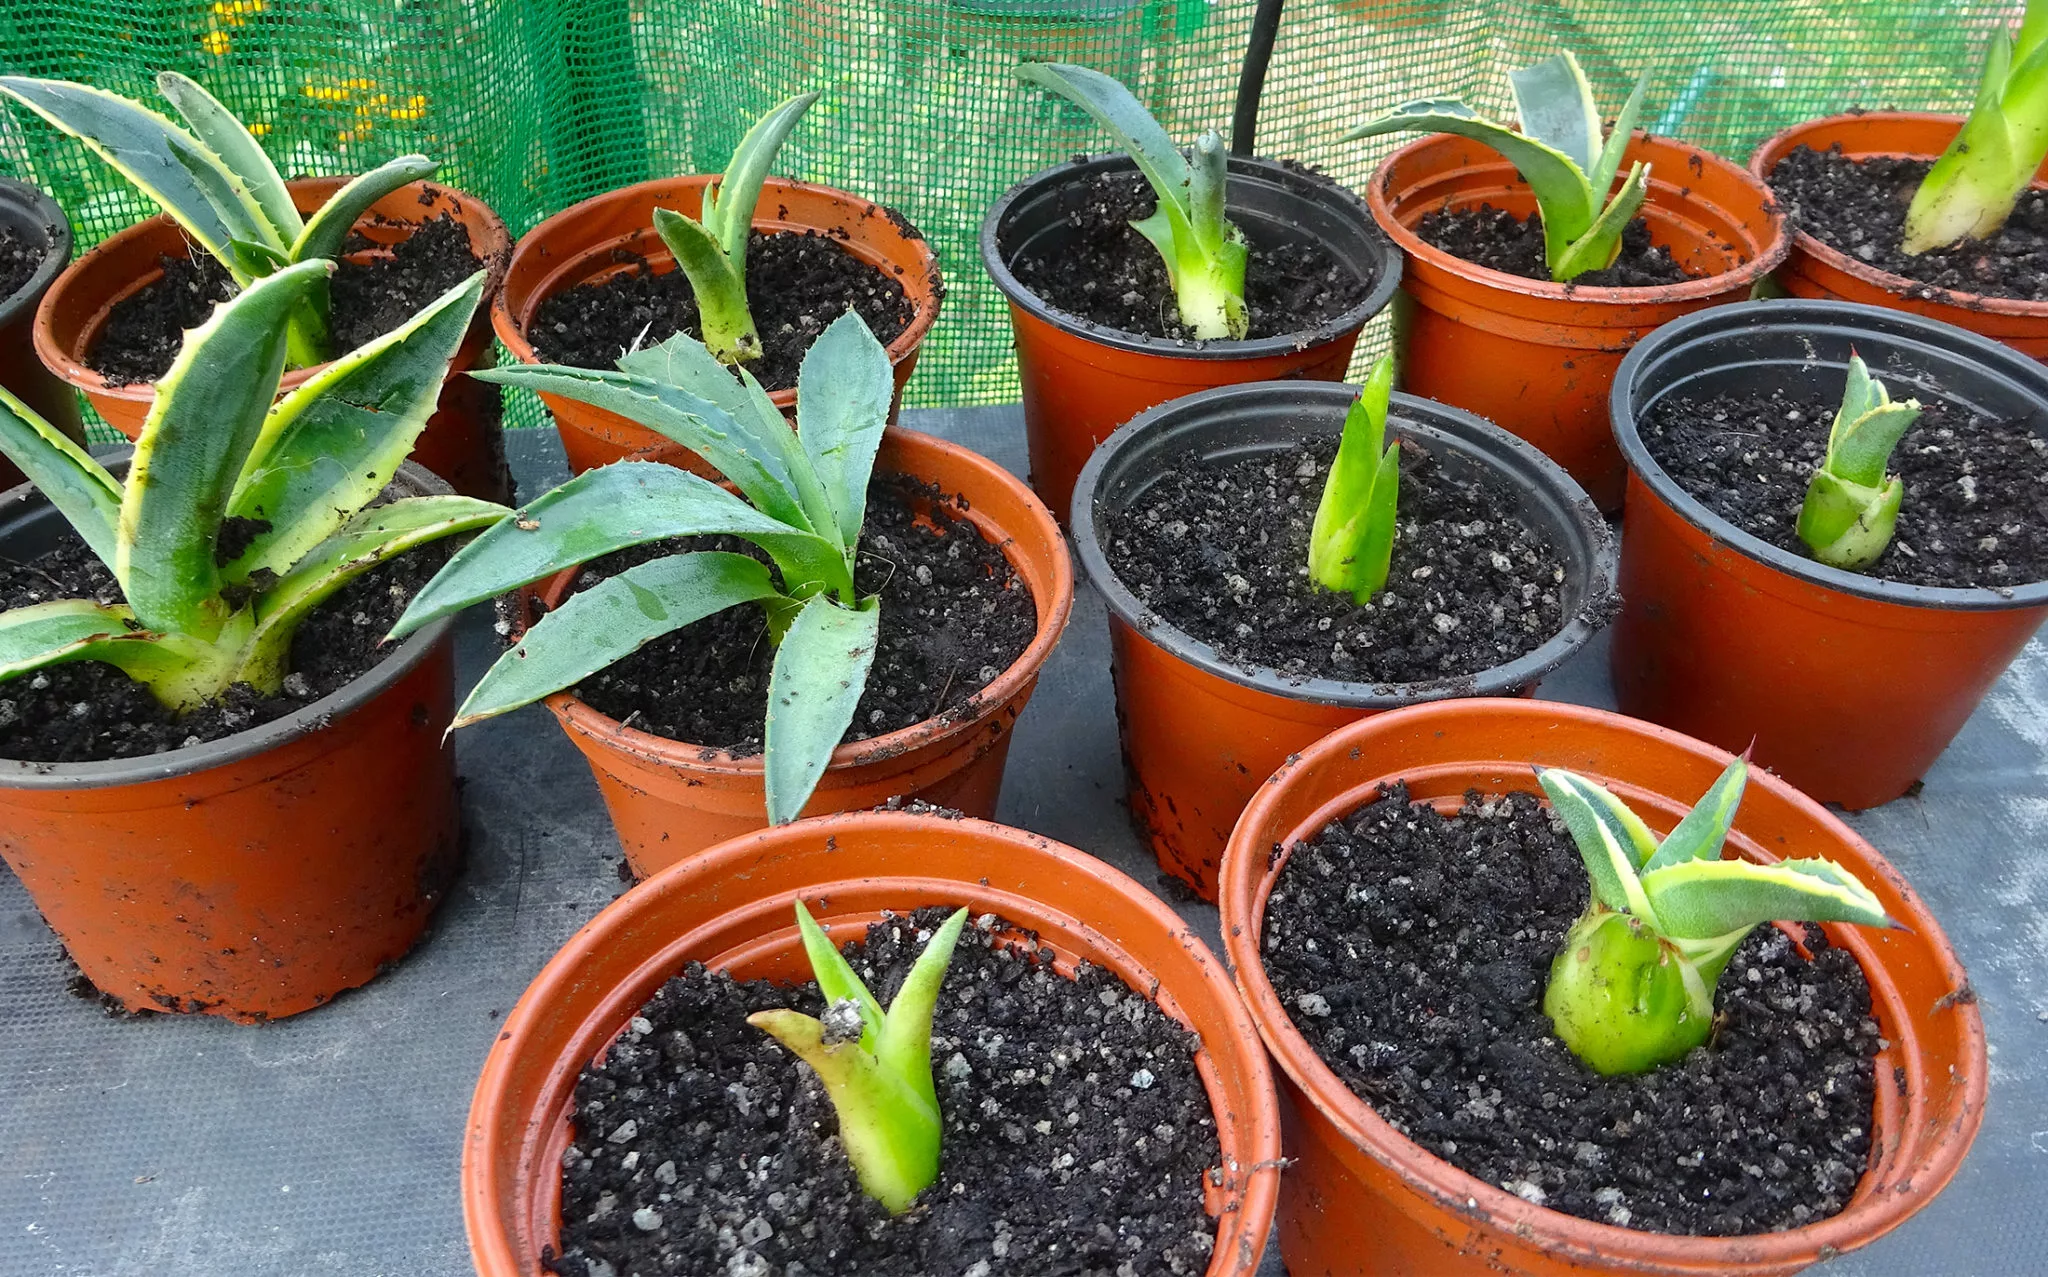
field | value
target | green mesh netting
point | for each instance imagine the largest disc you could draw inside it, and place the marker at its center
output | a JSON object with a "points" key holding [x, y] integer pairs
{"points": [[534, 104]]}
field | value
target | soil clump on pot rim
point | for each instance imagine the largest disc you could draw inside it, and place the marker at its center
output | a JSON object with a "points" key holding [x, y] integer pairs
{"points": [[144, 331], [1109, 274], [1858, 207], [1499, 240], [1412, 950], [955, 616], [1219, 549], [1078, 1136], [1976, 506], [798, 282]]}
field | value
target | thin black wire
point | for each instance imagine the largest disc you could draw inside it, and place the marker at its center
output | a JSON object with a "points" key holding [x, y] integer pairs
{"points": [[1251, 82]]}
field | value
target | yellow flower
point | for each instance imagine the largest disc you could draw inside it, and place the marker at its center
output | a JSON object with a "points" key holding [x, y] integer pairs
{"points": [[415, 108], [216, 43], [259, 129]]}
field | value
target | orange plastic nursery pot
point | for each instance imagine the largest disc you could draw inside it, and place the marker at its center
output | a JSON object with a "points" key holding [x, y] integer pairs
{"points": [[1539, 357], [669, 800], [1081, 381], [39, 225], [1849, 685], [1202, 733], [1818, 270], [596, 239], [731, 909], [1361, 1198], [461, 442], [258, 875]]}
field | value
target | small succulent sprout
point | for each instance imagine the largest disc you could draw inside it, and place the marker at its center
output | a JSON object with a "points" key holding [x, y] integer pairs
{"points": [[1973, 187], [1352, 542], [216, 182], [1852, 503], [1633, 987], [1205, 253], [296, 475], [711, 251], [1559, 152], [803, 499], [876, 1065]]}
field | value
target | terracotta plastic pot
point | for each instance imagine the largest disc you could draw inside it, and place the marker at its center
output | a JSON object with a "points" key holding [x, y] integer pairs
{"points": [[1814, 269], [1849, 685], [1201, 733], [1536, 356], [1081, 381], [669, 800], [606, 234], [35, 218], [461, 442], [731, 909], [255, 876], [1361, 1198]]}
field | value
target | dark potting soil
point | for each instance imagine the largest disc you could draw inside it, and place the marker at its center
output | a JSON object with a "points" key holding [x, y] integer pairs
{"points": [[798, 282], [19, 259], [1498, 240], [1412, 952], [1220, 550], [954, 617], [1859, 207], [86, 711], [1109, 274], [1976, 504], [144, 332], [1077, 1136]]}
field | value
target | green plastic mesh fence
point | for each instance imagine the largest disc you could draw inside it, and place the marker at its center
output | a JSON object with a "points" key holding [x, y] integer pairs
{"points": [[534, 104]]}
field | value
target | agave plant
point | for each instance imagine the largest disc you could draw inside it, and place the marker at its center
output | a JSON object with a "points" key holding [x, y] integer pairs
{"points": [[1852, 504], [216, 182], [876, 1065], [1205, 253], [1351, 544], [1973, 187], [712, 252], [1633, 987], [1560, 153], [803, 501], [296, 476]]}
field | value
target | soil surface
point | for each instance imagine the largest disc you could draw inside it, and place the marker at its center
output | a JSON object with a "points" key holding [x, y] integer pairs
{"points": [[1109, 274], [1859, 207], [955, 616], [86, 711], [1498, 240], [1976, 505], [1220, 550], [1077, 1133], [145, 331], [1412, 952], [798, 282], [19, 259]]}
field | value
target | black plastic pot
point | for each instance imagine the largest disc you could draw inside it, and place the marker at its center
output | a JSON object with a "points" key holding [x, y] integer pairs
{"points": [[1201, 734], [36, 218], [1849, 686], [257, 875], [1080, 380]]}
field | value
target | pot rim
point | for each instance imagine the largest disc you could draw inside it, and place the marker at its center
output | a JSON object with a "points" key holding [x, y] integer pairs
{"points": [[39, 204], [191, 759], [1705, 288], [494, 253], [1385, 281], [1776, 147], [549, 987], [1621, 409], [1410, 415], [924, 314], [1426, 1174], [1053, 615]]}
